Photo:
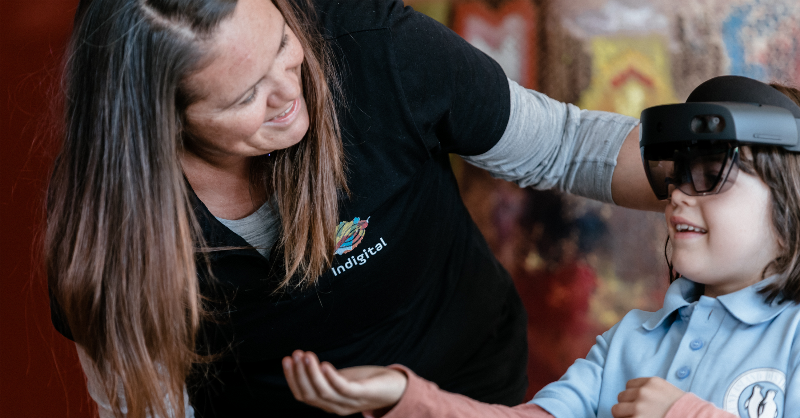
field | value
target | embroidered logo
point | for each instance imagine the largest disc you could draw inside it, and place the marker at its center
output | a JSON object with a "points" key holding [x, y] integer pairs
{"points": [[757, 393], [349, 234]]}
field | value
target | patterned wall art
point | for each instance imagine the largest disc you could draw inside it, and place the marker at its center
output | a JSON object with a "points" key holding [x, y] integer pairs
{"points": [[580, 265], [762, 40], [507, 33], [628, 75], [627, 51], [754, 38], [630, 58], [699, 52]]}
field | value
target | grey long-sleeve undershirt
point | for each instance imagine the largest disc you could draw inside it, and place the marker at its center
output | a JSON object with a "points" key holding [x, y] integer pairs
{"points": [[548, 144]]}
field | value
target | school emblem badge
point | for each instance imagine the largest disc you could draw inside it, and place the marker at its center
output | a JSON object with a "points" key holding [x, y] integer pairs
{"points": [[757, 393]]}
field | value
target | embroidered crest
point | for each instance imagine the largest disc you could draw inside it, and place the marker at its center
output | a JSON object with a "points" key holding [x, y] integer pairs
{"points": [[757, 393]]}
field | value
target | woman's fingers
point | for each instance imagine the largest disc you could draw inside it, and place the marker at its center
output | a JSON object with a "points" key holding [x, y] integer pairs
{"points": [[297, 377], [288, 371], [308, 384], [344, 392], [321, 385], [301, 376]]}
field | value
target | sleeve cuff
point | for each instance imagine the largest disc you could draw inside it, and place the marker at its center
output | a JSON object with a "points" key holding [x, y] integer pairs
{"points": [[416, 388], [690, 406]]}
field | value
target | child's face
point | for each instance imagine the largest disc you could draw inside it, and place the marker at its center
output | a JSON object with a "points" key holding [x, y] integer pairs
{"points": [[724, 240]]}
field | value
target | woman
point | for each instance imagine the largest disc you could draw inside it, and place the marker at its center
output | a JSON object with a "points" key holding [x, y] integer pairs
{"points": [[200, 212]]}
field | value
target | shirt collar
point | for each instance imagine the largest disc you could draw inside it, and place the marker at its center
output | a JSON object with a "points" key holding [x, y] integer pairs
{"points": [[681, 292], [747, 305], [214, 232]]}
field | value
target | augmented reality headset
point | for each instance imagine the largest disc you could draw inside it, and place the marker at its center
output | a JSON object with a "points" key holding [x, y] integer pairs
{"points": [[694, 146]]}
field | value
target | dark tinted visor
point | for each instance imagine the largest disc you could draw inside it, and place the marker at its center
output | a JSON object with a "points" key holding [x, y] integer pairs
{"points": [[696, 169]]}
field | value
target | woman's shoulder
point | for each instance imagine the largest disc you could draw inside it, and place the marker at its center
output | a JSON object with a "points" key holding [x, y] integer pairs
{"points": [[339, 18]]}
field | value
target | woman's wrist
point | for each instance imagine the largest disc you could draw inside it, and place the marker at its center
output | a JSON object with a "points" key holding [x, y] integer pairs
{"points": [[383, 412]]}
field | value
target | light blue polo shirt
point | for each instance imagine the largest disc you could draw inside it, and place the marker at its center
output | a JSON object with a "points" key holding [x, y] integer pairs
{"points": [[734, 351]]}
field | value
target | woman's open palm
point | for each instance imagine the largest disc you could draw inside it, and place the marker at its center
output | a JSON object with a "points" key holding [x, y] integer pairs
{"points": [[346, 391]]}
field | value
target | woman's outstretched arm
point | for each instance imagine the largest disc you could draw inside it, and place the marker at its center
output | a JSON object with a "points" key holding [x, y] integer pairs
{"points": [[388, 392], [629, 186], [396, 391], [548, 144]]}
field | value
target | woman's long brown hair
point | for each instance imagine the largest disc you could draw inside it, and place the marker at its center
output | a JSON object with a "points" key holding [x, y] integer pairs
{"points": [[306, 179], [121, 243]]}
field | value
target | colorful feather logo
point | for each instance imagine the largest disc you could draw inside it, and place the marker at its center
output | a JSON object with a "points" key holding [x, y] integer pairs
{"points": [[349, 234]]}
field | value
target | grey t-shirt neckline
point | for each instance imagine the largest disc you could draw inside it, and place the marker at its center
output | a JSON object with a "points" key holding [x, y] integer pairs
{"points": [[260, 229]]}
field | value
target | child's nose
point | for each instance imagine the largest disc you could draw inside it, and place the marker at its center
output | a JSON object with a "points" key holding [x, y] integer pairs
{"points": [[678, 197]]}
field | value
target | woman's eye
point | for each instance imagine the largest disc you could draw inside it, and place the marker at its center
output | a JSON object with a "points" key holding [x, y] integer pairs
{"points": [[284, 42], [250, 97]]}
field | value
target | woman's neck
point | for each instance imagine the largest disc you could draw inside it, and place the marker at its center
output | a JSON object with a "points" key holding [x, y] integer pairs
{"points": [[223, 184]]}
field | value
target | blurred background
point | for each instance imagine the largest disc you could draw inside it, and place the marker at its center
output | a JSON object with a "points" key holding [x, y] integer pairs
{"points": [[579, 265]]}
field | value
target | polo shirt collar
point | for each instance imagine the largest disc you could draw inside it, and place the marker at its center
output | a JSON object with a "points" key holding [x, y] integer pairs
{"points": [[681, 292], [747, 305]]}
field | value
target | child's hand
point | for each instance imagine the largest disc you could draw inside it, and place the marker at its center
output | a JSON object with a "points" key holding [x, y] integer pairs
{"points": [[346, 391], [646, 397]]}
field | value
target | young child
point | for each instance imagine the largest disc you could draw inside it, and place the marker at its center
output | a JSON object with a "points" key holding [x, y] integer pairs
{"points": [[726, 342]]}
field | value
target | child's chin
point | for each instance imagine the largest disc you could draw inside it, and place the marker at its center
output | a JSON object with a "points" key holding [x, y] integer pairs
{"points": [[687, 270]]}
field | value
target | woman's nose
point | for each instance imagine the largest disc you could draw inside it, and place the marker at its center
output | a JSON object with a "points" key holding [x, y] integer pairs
{"points": [[287, 86], [287, 81]]}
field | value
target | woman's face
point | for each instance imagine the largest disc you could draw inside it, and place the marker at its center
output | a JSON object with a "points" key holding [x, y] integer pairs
{"points": [[250, 95]]}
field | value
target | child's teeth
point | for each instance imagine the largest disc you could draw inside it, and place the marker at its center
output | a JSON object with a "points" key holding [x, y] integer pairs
{"points": [[682, 228]]}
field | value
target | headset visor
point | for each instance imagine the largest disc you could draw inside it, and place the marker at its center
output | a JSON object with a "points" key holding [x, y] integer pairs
{"points": [[696, 169]]}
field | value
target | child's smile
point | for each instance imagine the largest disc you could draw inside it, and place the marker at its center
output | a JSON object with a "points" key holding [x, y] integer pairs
{"points": [[684, 228], [724, 240]]}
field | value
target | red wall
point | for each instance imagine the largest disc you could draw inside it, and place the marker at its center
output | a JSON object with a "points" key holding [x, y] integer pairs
{"points": [[39, 371]]}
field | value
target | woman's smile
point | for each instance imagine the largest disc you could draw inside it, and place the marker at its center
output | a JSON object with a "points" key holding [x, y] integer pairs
{"points": [[251, 97], [288, 115]]}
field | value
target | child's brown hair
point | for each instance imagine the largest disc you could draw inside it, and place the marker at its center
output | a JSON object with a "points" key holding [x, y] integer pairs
{"points": [[780, 170]]}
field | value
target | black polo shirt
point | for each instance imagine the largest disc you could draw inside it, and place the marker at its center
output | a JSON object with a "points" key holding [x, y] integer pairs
{"points": [[413, 281]]}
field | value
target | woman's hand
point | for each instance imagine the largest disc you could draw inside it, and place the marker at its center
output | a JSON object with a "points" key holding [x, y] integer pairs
{"points": [[646, 397], [346, 391]]}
